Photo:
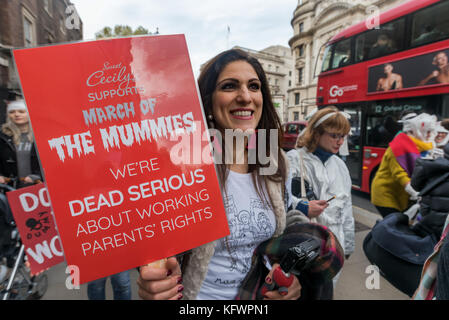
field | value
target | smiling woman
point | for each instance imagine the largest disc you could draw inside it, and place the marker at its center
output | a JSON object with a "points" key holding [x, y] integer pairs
{"points": [[235, 96]]}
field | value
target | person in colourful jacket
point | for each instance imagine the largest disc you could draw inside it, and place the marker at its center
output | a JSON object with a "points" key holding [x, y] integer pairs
{"points": [[391, 190]]}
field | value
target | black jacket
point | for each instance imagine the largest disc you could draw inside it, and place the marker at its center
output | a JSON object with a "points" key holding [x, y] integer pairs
{"points": [[8, 158], [431, 179]]}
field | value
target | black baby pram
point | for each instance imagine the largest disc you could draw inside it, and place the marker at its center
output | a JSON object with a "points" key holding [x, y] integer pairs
{"points": [[401, 243], [398, 251], [7, 226]]}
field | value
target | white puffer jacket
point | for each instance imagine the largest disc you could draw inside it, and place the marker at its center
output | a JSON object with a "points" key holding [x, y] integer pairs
{"points": [[328, 179]]}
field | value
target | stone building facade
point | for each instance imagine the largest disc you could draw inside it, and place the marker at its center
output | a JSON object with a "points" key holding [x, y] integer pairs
{"points": [[28, 23], [314, 23]]}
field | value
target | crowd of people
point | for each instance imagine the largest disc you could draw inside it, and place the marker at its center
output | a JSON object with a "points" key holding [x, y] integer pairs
{"points": [[311, 187]]}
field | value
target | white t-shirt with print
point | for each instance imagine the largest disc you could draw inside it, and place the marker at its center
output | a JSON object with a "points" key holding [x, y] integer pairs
{"points": [[251, 221]]}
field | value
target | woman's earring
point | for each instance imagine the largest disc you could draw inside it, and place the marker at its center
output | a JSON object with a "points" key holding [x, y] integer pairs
{"points": [[210, 121], [213, 139]]}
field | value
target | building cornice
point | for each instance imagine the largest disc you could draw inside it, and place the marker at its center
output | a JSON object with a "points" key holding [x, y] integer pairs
{"points": [[352, 10], [303, 35], [306, 87], [301, 11], [274, 73], [262, 54], [311, 32]]}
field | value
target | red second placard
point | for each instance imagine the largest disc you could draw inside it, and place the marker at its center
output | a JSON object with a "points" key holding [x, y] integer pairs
{"points": [[31, 210], [122, 140]]}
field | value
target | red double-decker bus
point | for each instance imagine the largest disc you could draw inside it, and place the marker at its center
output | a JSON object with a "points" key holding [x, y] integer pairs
{"points": [[378, 74]]}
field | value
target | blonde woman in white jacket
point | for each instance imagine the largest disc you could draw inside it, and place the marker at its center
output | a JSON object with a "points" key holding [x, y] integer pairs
{"points": [[326, 174]]}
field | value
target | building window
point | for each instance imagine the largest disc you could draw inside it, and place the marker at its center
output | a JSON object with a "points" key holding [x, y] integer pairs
{"points": [[300, 76], [427, 24], [301, 27], [301, 50], [289, 83], [290, 73], [29, 31], [342, 54], [50, 38], [295, 116], [277, 68], [327, 58], [380, 42], [62, 25], [276, 81], [296, 98], [47, 6]]}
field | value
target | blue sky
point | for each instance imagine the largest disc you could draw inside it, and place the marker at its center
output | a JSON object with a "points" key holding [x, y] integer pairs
{"points": [[254, 24]]}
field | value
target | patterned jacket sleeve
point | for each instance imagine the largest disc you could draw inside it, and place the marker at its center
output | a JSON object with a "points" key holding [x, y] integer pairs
{"points": [[294, 171]]}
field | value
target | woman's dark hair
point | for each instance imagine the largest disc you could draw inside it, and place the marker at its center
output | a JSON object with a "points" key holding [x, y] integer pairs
{"points": [[207, 82]]}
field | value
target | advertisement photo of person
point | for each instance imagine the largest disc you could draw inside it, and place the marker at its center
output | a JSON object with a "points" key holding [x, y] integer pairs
{"points": [[442, 74], [390, 81], [421, 70]]}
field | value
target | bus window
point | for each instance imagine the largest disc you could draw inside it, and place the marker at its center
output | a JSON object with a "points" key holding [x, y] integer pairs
{"points": [[327, 58], [380, 42], [381, 129], [445, 107], [382, 117], [342, 54], [431, 24], [354, 159]]}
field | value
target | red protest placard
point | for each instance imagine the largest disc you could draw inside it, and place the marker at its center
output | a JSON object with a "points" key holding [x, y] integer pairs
{"points": [[31, 209], [120, 133]]}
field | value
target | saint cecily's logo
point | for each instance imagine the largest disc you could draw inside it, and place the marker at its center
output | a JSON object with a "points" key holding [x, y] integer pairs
{"points": [[117, 73]]}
